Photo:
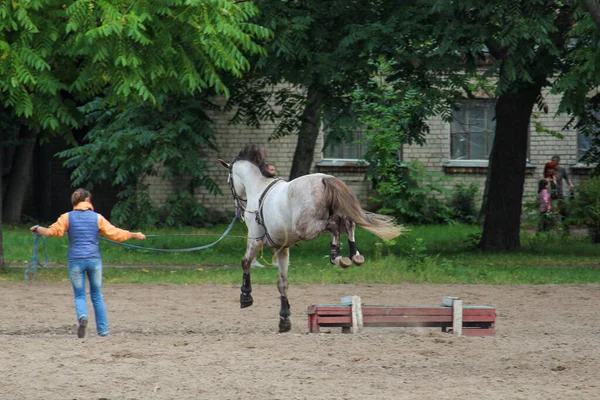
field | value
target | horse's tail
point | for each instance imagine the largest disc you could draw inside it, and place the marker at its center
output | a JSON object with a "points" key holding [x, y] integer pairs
{"points": [[340, 200]]}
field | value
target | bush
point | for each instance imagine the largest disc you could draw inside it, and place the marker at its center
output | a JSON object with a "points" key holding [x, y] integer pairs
{"points": [[585, 207], [409, 195], [463, 203]]}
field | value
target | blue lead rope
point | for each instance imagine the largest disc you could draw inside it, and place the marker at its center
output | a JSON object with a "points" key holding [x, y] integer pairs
{"points": [[36, 237], [132, 246], [34, 261]]}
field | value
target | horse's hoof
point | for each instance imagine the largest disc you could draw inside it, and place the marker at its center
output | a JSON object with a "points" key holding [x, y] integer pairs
{"points": [[345, 262], [246, 300], [285, 325], [358, 259]]}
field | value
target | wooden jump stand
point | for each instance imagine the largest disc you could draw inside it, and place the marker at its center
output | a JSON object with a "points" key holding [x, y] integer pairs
{"points": [[351, 315]]}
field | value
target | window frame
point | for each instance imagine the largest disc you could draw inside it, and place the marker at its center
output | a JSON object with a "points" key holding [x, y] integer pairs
{"points": [[489, 128], [358, 141]]}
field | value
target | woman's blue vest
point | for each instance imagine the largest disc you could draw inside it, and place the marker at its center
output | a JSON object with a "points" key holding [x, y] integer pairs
{"points": [[83, 235]]}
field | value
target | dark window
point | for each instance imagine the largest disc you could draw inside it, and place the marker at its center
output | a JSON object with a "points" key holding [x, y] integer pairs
{"points": [[584, 143], [585, 135], [346, 149], [472, 130]]}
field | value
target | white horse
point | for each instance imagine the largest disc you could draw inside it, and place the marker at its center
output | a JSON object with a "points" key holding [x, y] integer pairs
{"points": [[280, 214]]}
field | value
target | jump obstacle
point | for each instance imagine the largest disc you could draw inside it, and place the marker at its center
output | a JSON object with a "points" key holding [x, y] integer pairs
{"points": [[451, 316]]}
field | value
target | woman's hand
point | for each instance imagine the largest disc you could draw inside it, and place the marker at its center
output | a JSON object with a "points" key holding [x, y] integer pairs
{"points": [[138, 235]]}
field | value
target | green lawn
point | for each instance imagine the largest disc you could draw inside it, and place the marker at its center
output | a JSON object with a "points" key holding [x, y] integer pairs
{"points": [[425, 254]]}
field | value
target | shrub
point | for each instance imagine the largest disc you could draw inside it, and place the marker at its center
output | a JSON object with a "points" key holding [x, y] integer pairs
{"points": [[410, 195], [463, 203], [585, 207]]}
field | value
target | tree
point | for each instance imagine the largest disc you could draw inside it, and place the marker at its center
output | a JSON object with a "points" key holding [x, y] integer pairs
{"points": [[534, 45], [531, 44], [592, 7], [320, 52], [393, 113], [124, 146], [56, 57]]}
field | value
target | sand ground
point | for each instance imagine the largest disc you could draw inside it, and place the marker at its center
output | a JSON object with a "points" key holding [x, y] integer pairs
{"points": [[194, 342]]}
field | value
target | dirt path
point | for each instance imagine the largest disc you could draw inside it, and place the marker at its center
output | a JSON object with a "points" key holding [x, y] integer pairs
{"points": [[194, 342]]}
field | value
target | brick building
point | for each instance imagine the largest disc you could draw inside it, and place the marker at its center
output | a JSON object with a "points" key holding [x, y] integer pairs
{"points": [[459, 150]]}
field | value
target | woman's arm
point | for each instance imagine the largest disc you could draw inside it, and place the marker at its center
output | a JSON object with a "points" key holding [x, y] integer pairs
{"points": [[56, 229], [112, 232]]}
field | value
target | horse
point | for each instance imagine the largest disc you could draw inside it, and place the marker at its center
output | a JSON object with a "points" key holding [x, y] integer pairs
{"points": [[280, 214]]}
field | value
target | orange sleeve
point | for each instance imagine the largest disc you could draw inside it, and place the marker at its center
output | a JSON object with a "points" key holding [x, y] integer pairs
{"points": [[60, 226], [112, 232]]}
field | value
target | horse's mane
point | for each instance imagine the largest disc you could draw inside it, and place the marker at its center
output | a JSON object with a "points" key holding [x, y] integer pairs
{"points": [[256, 155]]}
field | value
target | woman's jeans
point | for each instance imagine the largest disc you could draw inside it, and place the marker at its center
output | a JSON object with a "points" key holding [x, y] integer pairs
{"points": [[77, 271]]}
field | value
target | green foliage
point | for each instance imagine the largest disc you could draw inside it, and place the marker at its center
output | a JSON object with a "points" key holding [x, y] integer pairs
{"points": [[134, 209], [417, 253], [585, 207], [55, 54], [419, 202], [182, 209], [324, 46], [539, 128], [462, 202], [125, 146], [448, 259], [393, 114]]}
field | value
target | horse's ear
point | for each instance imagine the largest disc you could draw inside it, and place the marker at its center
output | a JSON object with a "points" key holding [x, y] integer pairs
{"points": [[223, 163]]}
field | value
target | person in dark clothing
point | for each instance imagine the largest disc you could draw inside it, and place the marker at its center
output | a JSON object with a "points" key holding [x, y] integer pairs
{"points": [[560, 176]]}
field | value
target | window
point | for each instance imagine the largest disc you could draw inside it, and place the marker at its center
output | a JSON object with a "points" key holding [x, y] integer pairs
{"points": [[584, 143], [472, 130], [344, 149], [585, 135]]}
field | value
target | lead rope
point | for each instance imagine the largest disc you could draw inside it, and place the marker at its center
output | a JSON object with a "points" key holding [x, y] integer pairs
{"points": [[36, 237], [34, 261], [132, 246]]}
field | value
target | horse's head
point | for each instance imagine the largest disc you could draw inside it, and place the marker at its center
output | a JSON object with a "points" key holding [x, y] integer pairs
{"points": [[237, 189], [240, 172]]}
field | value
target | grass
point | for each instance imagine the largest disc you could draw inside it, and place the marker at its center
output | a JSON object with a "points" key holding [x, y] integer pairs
{"points": [[426, 254]]}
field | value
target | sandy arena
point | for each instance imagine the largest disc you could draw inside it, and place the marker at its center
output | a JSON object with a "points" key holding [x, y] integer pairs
{"points": [[194, 342]]}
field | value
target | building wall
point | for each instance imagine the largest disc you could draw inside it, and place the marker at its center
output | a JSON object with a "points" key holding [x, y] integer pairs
{"points": [[435, 156], [230, 140]]}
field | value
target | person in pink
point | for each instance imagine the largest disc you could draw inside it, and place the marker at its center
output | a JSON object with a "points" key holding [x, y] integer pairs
{"points": [[545, 205]]}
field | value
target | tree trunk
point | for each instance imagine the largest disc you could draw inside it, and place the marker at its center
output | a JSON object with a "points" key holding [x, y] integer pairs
{"points": [[486, 192], [502, 223], [592, 7], [43, 183], [2, 266], [307, 137], [19, 179]]}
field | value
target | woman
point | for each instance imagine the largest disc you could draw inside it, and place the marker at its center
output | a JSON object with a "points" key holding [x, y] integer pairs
{"points": [[83, 226], [543, 198], [550, 176]]}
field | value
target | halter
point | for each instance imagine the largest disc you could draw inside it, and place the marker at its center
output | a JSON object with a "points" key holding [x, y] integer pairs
{"points": [[240, 208]]}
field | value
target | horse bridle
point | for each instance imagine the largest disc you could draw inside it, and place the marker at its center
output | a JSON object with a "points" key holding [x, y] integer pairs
{"points": [[240, 208]]}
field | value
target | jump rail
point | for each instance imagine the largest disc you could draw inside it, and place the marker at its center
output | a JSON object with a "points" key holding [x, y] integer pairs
{"points": [[451, 316]]}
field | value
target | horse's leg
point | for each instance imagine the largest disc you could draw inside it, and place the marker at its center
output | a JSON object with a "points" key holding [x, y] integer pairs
{"points": [[252, 249], [282, 284], [334, 255], [354, 255]]}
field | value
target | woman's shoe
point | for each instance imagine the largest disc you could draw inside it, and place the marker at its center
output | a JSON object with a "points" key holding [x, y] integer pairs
{"points": [[82, 326]]}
